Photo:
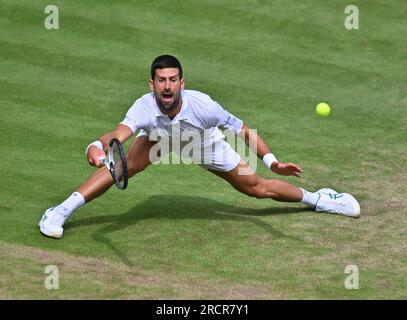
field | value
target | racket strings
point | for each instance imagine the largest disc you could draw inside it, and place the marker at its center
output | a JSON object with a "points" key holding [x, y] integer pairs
{"points": [[118, 164]]}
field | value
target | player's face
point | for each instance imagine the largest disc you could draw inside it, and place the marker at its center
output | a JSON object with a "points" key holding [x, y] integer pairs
{"points": [[167, 88]]}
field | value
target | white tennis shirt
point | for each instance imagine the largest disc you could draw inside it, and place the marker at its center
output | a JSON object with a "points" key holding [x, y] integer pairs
{"points": [[199, 114]]}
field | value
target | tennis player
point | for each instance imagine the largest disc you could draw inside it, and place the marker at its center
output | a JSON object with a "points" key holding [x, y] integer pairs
{"points": [[169, 113]]}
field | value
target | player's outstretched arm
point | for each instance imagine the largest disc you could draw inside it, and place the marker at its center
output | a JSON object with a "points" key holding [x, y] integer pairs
{"points": [[257, 144], [97, 150]]}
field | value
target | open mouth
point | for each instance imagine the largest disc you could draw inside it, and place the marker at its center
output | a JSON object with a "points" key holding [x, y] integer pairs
{"points": [[167, 98]]}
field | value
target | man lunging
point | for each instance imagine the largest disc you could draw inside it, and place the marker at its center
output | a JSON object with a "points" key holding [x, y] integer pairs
{"points": [[169, 109]]}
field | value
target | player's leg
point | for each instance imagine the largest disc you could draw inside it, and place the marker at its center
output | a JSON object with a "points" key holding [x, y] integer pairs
{"points": [[96, 185], [227, 164], [253, 185], [324, 200]]}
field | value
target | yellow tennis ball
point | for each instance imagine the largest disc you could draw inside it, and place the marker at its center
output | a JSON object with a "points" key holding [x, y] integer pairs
{"points": [[323, 109]]}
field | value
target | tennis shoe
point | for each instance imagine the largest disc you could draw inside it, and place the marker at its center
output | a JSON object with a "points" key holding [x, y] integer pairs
{"points": [[339, 203], [52, 221], [327, 190]]}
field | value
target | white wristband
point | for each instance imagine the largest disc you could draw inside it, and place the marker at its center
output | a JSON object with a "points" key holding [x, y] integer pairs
{"points": [[268, 159], [97, 144]]}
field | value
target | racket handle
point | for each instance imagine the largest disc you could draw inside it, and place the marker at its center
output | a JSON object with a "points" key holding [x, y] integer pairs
{"points": [[103, 161]]}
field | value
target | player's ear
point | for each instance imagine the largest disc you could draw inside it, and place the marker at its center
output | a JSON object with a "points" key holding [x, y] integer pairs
{"points": [[182, 83], [151, 84]]}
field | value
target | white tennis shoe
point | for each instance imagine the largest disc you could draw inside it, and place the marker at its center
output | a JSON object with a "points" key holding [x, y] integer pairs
{"points": [[340, 203], [327, 190], [52, 221]]}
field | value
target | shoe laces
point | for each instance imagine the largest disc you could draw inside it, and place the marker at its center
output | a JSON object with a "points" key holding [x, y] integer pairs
{"points": [[59, 216]]}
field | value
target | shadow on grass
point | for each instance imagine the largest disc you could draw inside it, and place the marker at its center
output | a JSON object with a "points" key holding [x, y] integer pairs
{"points": [[180, 207]]}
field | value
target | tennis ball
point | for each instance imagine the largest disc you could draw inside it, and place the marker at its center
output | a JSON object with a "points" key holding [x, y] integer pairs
{"points": [[323, 109]]}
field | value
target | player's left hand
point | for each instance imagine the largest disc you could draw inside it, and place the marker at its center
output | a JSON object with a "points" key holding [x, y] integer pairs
{"points": [[286, 169]]}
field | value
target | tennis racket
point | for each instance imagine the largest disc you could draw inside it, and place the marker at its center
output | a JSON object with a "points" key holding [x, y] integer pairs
{"points": [[116, 163]]}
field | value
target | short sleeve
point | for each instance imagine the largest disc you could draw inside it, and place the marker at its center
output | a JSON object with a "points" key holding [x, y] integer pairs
{"points": [[142, 133], [225, 120], [134, 117], [131, 123]]}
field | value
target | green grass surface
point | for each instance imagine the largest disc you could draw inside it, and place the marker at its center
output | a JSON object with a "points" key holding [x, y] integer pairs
{"points": [[178, 231]]}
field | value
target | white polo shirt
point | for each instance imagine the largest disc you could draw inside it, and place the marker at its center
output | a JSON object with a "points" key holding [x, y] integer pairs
{"points": [[199, 113]]}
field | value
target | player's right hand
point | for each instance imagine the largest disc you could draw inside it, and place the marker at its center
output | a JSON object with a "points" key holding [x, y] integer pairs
{"points": [[94, 155]]}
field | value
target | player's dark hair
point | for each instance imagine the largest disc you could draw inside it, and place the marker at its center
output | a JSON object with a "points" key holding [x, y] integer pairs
{"points": [[165, 61]]}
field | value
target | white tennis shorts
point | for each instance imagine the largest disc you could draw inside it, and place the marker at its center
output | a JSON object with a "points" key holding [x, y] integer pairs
{"points": [[217, 155], [222, 157]]}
